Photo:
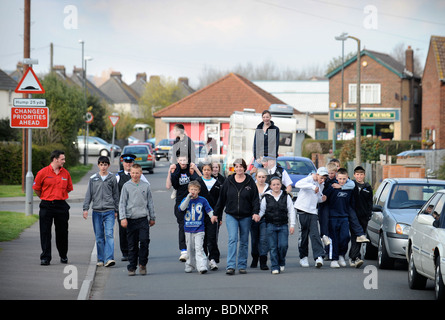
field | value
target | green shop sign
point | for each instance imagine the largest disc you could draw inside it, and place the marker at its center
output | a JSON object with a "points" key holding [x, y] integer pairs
{"points": [[389, 115]]}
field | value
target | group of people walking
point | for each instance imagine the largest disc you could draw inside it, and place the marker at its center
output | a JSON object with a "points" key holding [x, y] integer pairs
{"points": [[330, 210]]}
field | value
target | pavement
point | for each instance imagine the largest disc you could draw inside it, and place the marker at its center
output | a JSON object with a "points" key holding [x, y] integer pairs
{"points": [[21, 275]]}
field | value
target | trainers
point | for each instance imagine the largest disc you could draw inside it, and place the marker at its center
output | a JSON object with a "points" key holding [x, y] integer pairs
{"points": [[275, 271], [100, 264], [230, 271], [213, 266], [326, 240], [304, 263], [110, 263], [334, 264], [203, 271], [242, 271], [319, 262], [173, 195], [142, 270], [131, 272], [282, 268], [358, 263], [362, 238], [341, 261], [183, 256]]}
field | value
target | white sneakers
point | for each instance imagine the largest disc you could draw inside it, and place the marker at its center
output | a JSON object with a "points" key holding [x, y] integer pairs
{"points": [[362, 238], [326, 240], [305, 263], [338, 263], [183, 257], [212, 264]]}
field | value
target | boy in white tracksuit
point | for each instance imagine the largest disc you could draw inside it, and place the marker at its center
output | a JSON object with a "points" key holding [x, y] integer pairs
{"points": [[310, 194]]}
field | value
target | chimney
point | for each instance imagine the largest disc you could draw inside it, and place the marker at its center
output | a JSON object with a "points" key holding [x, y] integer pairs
{"points": [[142, 76], [183, 80], [155, 79], [77, 70], [117, 75], [409, 60], [60, 69]]}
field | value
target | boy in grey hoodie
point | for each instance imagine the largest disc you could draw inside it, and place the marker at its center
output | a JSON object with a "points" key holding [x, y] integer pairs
{"points": [[137, 214], [104, 193]]}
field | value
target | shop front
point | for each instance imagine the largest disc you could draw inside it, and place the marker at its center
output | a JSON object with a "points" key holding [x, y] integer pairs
{"points": [[382, 123]]}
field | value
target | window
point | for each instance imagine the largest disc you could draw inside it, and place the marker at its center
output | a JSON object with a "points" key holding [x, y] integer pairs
{"points": [[369, 93]]}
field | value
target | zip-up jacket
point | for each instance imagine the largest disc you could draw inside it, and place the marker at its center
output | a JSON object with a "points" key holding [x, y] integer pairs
{"points": [[240, 203], [136, 201], [104, 194], [363, 201]]}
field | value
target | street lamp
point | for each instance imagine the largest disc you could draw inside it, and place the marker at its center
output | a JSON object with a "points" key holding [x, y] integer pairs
{"points": [[85, 147], [358, 128], [343, 37]]}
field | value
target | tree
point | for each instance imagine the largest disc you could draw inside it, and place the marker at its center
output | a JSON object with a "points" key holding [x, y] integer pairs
{"points": [[157, 95], [66, 111]]}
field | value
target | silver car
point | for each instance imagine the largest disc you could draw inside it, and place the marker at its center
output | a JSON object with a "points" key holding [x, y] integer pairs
{"points": [[97, 147], [395, 205]]}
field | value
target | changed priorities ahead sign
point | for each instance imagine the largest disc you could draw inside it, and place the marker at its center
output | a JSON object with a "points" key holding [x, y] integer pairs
{"points": [[29, 117]]}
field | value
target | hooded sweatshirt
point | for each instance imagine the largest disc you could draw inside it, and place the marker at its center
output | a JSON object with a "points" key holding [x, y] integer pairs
{"points": [[136, 201], [104, 193]]}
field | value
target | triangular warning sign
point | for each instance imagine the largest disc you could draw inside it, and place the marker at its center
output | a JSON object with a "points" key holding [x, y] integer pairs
{"points": [[29, 83]]}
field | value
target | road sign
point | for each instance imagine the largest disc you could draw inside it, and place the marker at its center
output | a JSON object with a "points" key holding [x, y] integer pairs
{"points": [[114, 119], [29, 83], [29, 117], [89, 117], [29, 102]]}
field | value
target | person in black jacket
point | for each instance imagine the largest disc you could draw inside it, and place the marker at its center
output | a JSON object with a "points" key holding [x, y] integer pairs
{"points": [[362, 194], [239, 196], [266, 140], [210, 188], [183, 145]]}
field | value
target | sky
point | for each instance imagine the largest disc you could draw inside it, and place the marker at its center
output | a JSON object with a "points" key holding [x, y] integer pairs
{"points": [[177, 38]]}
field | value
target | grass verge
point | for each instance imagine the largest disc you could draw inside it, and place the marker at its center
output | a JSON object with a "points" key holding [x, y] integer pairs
{"points": [[13, 223]]}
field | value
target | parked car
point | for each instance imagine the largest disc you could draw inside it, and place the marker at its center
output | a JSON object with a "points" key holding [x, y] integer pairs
{"points": [[149, 145], [414, 153], [144, 157], [426, 246], [297, 168], [163, 147], [395, 205], [97, 147]]}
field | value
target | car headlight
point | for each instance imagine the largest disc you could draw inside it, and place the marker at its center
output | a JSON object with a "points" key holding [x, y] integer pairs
{"points": [[402, 228]]}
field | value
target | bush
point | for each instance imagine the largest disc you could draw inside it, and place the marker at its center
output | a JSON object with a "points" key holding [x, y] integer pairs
{"points": [[11, 160]]}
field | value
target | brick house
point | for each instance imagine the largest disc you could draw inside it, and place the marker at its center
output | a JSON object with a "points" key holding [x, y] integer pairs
{"points": [[433, 94], [390, 97], [207, 111]]}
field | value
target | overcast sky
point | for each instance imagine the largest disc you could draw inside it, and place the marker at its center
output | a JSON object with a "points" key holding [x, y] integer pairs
{"points": [[176, 38]]}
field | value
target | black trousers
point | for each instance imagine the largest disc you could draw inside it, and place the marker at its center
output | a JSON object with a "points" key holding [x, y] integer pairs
{"points": [[354, 250], [138, 235], [211, 239], [180, 220], [57, 211], [123, 241]]}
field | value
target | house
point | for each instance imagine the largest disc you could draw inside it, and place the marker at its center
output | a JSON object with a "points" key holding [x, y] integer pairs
{"points": [[433, 95], [77, 78], [390, 97], [125, 99], [310, 97], [7, 94], [206, 112]]}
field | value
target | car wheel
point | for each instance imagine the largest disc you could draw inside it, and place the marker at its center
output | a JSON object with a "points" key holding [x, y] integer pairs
{"points": [[383, 259], [415, 280], [104, 153], [439, 286]]}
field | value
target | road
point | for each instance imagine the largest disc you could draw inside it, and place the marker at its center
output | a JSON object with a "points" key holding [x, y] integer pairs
{"points": [[166, 279]]}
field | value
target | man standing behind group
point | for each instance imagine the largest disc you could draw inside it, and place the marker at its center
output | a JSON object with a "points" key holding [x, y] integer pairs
{"points": [[52, 185], [183, 146]]}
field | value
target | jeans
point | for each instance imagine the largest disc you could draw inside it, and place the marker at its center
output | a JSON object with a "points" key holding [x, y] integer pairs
{"points": [[278, 237], [237, 227], [103, 225], [258, 237]]}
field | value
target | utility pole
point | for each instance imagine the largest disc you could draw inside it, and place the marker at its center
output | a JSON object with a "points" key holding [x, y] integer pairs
{"points": [[26, 54]]}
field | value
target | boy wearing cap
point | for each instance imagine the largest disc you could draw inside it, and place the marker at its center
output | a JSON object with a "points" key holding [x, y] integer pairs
{"points": [[122, 177], [310, 194]]}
